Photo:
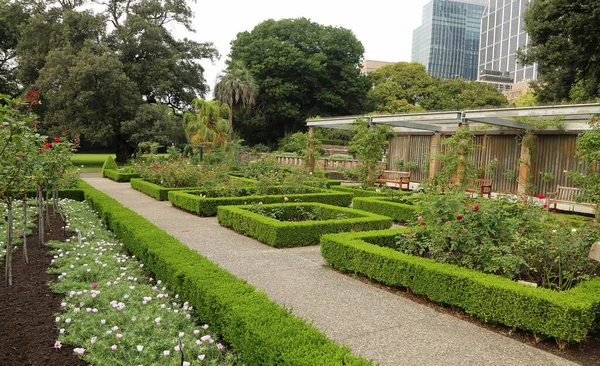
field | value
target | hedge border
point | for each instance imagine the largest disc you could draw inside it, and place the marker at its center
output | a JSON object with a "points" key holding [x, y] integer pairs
{"points": [[359, 192], [207, 206], [282, 234], [162, 193], [118, 176], [258, 329], [109, 164], [567, 316], [399, 212]]}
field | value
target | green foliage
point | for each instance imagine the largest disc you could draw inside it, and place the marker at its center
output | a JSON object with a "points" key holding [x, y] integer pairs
{"points": [[359, 191], [12, 15], [109, 164], [567, 316], [290, 234], [120, 175], [368, 144], [302, 69], [455, 159], [131, 289], [525, 100], [261, 331], [181, 173], [401, 208], [207, 125], [205, 202], [461, 94], [399, 88], [161, 192], [588, 152], [563, 36]]}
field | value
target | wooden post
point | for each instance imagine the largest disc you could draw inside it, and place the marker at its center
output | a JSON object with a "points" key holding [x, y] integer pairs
{"points": [[311, 150], [460, 169], [434, 163], [525, 163]]}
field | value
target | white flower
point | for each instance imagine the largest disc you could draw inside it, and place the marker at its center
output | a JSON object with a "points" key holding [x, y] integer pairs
{"points": [[140, 348]]}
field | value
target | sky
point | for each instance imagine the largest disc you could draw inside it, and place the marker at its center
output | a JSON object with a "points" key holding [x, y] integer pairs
{"points": [[383, 26]]}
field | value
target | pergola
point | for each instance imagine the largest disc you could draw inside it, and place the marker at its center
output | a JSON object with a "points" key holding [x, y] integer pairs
{"points": [[575, 119]]}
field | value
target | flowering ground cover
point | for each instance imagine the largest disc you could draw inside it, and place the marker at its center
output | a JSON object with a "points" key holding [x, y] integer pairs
{"points": [[113, 312]]}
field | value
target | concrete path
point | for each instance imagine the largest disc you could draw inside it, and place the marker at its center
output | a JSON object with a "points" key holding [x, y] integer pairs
{"points": [[376, 324]]}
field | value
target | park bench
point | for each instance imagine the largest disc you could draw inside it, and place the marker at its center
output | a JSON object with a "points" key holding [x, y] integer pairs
{"points": [[402, 179], [566, 195], [484, 186]]}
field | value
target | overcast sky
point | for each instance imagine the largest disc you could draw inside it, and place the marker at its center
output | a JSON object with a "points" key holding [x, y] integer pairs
{"points": [[383, 26]]}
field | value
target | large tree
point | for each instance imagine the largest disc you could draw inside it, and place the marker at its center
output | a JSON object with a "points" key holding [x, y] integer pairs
{"points": [[461, 94], [399, 88], [564, 38], [134, 68], [12, 15], [303, 69], [236, 88]]}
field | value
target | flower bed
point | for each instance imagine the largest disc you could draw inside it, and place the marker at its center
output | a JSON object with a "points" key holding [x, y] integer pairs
{"points": [[203, 203], [567, 316], [17, 225], [290, 234], [162, 193], [113, 312], [400, 208], [261, 331]]}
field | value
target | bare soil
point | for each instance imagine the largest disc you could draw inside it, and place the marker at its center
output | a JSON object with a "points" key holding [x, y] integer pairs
{"points": [[27, 328]]}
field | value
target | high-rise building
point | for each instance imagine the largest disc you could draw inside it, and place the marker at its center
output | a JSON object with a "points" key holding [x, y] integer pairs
{"points": [[447, 41], [502, 34]]}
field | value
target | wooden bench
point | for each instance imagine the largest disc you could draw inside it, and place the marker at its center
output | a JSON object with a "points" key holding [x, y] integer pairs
{"points": [[566, 195], [402, 179], [484, 186]]}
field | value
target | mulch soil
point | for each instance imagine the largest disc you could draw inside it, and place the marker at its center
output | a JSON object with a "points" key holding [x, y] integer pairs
{"points": [[584, 353], [27, 329]]}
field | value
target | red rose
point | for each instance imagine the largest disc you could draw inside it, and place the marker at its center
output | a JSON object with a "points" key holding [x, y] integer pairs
{"points": [[423, 223], [459, 217], [47, 145], [57, 139], [476, 207], [545, 206], [541, 196]]}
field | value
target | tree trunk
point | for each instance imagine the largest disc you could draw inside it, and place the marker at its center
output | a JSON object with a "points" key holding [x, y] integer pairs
{"points": [[123, 152], [230, 122], [41, 215], [9, 246], [25, 258]]}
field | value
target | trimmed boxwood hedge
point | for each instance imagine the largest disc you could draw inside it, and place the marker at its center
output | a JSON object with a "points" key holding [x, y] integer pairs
{"points": [[207, 206], [399, 212], [119, 176], [162, 193], [109, 164], [291, 234], [567, 316], [259, 330], [370, 192]]}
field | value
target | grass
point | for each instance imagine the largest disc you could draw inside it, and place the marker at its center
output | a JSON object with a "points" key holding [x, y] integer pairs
{"points": [[89, 162]]}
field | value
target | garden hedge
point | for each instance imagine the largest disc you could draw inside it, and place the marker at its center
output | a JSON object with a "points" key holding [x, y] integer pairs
{"points": [[359, 192], [259, 330], [119, 176], [567, 316], [399, 212], [291, 234], [207, 206], [109, 164], [162, 193]]}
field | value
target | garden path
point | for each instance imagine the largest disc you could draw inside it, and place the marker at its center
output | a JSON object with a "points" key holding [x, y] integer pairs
{"points": [[373, 322]]}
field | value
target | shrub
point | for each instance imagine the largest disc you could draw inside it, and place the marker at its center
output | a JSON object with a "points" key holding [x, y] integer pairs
{"points": [[289, 234], [567, 316], [162, 193], [400, 208], [109, 164], [119, 175], [261, 331], [202, 204]]}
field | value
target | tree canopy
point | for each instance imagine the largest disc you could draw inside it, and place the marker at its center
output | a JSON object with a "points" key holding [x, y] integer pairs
{"points": [[564, 43], [462, 94], [115, 77], [303, 69]]}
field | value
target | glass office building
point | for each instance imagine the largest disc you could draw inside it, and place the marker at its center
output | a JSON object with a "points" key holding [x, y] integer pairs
{"points": [[502, 34], [447, 42]]}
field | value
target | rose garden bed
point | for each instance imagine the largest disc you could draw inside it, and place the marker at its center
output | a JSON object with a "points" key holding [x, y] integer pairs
{"points": [[206, 202], [162, 193], [304, 222]]}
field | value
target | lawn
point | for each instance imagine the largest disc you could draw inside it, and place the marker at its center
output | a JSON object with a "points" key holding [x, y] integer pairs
{"points": [[89, 162]]}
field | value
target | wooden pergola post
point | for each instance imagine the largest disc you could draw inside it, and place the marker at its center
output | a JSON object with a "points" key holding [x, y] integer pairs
{"points": [[434, 149], [460, 168], [525, 163], [311, 150]]}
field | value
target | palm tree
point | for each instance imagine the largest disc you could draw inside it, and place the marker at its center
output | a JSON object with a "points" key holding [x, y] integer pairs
{"points": [[236, 87], [207, 124]]}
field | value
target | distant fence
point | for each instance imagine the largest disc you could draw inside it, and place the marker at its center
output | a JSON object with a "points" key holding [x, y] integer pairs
{"points": [[554, 154]]}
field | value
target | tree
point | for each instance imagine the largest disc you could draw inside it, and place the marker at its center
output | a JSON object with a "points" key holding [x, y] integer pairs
{"points": [[525, 100], [146, 67], [236, 88], [12, 15], [462, 94], [303, 69], [564, 43], [399, 88], [207, 125]]}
